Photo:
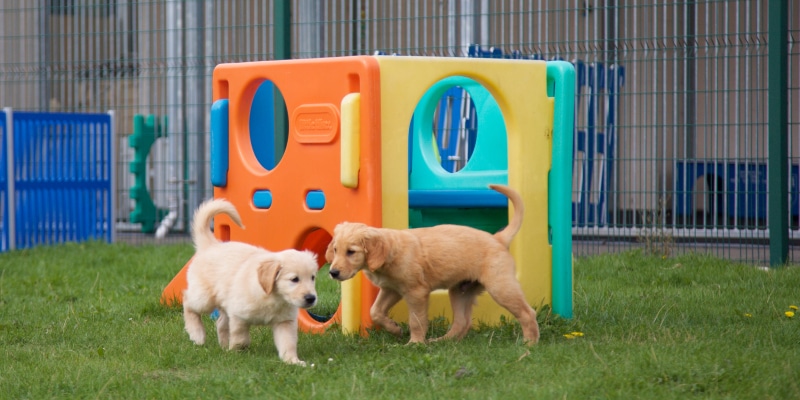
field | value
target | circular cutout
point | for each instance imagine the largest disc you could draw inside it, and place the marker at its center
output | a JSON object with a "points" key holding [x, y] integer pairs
{"points": [[457, 126], [269, 125]]}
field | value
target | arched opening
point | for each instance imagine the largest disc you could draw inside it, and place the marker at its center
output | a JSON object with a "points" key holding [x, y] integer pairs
{"points": [[456, 112], [329, 294]]}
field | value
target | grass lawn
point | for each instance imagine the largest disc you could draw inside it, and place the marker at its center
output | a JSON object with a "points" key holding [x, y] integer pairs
{"points": [[83, 321]]}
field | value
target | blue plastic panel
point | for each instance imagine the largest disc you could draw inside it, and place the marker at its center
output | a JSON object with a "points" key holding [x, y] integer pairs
{"points": [[738, 189], [456, 199], [219, 143]]}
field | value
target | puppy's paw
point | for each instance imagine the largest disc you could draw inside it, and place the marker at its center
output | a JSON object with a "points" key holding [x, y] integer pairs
{"points": [[198, 339], [533, 342], [238, 346], [393, 328], [295, 361]]}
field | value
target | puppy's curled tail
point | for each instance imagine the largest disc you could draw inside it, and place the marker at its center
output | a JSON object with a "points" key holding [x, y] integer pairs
{"points": [[505, 235], [201, 224]]}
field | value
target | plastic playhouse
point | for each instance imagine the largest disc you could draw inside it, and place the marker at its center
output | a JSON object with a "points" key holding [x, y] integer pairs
{"points": [[360, 148]]}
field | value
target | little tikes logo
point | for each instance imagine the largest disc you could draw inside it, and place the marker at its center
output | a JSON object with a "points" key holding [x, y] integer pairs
{"points": [[315, 123]]}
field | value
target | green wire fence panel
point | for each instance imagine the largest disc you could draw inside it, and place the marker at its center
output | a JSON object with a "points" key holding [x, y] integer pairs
{"points": [[674, 157]]}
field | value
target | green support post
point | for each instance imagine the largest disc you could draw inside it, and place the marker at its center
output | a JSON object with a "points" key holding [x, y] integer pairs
{"points": [[561, 86], [283, 51], [778, 118]]}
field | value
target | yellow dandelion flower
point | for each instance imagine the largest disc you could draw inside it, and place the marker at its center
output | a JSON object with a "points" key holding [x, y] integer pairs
{"points": [[793, 307], [569, 336], [748, 315], [577, 334], [789, 314]]}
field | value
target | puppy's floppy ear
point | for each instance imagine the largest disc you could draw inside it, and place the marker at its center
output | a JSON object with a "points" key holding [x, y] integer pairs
{"points": [[329, 252], [313, 256], [376, 248], [267, 274]]}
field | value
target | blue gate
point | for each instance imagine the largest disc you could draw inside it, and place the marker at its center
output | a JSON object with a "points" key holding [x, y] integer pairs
{"points": [[60, 184]]}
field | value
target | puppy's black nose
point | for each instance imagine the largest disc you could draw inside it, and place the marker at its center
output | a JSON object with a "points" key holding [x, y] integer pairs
{"points": [[310, 298], [334, 273]]}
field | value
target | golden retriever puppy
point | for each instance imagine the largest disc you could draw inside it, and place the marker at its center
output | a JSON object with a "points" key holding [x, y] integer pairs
{"points": [[247, 284], [410, 264]]}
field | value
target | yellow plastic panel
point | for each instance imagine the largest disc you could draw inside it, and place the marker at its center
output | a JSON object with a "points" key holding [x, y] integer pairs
{"points": [[351, 305], [351, 139], [520, 89]]}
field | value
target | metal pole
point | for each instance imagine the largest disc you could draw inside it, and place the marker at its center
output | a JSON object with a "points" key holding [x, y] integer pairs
{"points": [[777, 96], [356, 43], [469, 23], [10, 175], [691, 79], [44, 58], [176, 106], [194, 168], [209, 53], [310, 33], [451, 28], [112, 213]]}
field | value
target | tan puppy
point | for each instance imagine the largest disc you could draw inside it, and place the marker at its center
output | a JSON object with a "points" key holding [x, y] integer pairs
{"points": [[247, 284], [410, 264]]}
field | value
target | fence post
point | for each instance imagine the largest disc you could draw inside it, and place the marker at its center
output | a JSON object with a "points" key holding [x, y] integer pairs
{"points": [[112, 226], [282, 43], [778, 130], [10, 190]]}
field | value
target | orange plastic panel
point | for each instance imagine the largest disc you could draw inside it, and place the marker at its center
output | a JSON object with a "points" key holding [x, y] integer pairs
{"points": [[313, 91], [173, 293]]}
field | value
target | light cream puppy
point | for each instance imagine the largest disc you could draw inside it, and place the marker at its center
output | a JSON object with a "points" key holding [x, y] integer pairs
{"points": [[409, 264], [247, 284]]}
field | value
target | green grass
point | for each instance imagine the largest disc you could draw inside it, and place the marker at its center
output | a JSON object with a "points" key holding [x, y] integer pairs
{"points": [[330, 291], [83, 321]]}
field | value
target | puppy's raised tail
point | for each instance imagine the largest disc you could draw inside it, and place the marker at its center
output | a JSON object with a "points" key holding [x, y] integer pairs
{"points": [[201, 224], [505, 235]]}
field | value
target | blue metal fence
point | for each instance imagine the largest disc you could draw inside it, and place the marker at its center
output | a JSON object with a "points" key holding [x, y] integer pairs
{"points": [[59, 180], [597, 101], [595, 140]]}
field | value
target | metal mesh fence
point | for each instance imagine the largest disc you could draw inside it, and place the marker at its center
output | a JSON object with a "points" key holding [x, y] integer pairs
{"points": [[671, 131]]}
